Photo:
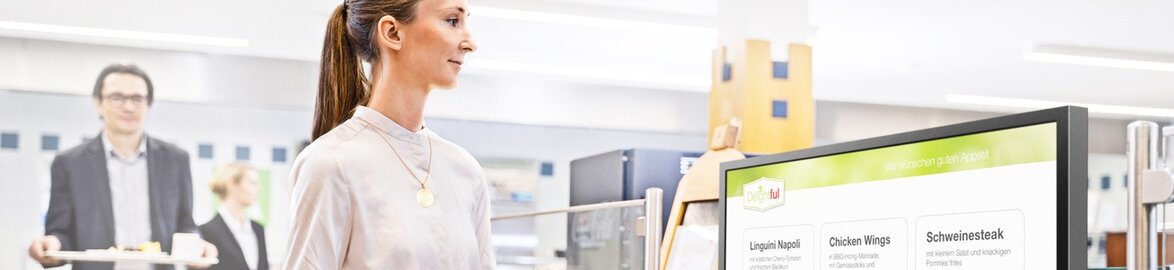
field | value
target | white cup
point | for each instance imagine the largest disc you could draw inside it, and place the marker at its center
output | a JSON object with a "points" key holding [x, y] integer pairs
{"points": [[186, 246]]}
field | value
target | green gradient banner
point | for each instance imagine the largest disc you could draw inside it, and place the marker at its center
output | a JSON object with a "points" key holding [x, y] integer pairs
{"points": [[1020, 145]]}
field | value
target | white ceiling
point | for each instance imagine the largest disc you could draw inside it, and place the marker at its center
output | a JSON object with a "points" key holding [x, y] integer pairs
{"points": [[915, 52], [902, 52]]}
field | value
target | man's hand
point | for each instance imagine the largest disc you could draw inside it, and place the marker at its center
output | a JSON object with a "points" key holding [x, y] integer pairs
{"points": [[44, 245], [210, 252]]}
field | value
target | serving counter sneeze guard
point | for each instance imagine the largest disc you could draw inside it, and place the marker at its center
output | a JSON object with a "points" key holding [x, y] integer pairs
{"points": [[628, 229]]}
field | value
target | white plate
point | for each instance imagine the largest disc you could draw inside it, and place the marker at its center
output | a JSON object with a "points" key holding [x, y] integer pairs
{"points": [[100, 255]]}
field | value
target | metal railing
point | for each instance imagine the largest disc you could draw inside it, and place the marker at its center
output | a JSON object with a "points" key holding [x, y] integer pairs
{"points": [[648, 226]]}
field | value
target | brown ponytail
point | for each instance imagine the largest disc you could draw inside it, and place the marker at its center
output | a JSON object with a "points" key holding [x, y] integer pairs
{"points": [[342, 86]]}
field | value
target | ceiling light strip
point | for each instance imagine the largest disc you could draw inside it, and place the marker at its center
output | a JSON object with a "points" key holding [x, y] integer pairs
{"points": [[1043, 104], [587, 21], [1060, 58], [123, 34], [684, 82]]}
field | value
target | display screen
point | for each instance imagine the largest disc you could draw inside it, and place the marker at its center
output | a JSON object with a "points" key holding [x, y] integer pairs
{"points": [[978, 201]]}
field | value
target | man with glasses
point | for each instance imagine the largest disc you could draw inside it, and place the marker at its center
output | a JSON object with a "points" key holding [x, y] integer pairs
{"points": [[123, 188]]}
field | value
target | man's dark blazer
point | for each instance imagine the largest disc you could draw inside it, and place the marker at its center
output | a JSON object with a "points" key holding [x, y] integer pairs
{"points": [[80, 211], [231, 254]]}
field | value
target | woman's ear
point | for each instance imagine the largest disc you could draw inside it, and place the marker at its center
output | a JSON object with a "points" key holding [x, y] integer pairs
{"points": [[388, 33]]}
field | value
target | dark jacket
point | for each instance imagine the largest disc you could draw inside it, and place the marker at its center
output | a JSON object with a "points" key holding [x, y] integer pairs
{"points": [[231, 255], [80, 212]]}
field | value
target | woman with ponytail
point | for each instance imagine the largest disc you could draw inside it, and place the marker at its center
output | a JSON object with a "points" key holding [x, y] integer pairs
{"points": [[378, 189]]}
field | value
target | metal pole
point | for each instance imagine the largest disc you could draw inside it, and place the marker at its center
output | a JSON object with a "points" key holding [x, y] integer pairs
{"points": [[1142, 238], [653, 205], [1163, 151], [572, 209]]}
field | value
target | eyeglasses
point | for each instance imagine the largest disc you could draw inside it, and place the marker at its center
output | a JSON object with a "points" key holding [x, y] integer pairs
{"points": [[118, 99]]}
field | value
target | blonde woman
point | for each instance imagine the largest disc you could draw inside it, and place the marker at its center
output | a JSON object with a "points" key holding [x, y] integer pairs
{"points": [[240, 241]]}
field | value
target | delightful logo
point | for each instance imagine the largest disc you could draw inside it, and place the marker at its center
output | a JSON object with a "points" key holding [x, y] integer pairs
{"points": [[763, 194]]}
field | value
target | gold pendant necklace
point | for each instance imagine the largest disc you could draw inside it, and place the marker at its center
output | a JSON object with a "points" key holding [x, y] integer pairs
{"points": [[424, 196]]}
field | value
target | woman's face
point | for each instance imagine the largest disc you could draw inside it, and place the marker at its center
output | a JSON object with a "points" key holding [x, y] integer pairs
{"points": [[435, 43], [245, 191]]}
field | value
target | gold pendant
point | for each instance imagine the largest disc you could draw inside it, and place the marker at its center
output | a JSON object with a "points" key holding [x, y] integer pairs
{"points": [[424, 197]]}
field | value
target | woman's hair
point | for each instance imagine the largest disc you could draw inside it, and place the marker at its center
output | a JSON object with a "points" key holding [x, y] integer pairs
{"points": [[342, 86], [229, 174]]}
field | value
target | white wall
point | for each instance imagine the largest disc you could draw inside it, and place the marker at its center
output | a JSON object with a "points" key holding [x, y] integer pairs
{"points": [[232, 100], [235, 100], [489, 96], [24, 181], [839, 122], [505, 97], [25, 177]]}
